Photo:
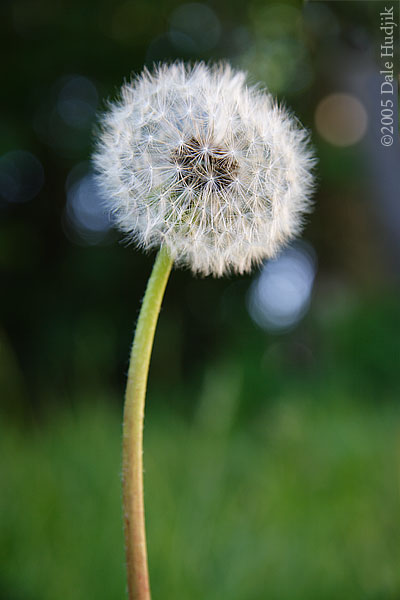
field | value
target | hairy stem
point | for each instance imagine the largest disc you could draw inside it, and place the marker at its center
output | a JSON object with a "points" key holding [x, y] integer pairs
{"points": [[132, 463]]}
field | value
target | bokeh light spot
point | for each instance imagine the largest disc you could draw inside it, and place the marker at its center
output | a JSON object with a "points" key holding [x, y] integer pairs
{"points": [[341, 119], [280, 296], [21, 176], [86, 218], [77, 102], [197, 22], [276, 20], [320, 20]]}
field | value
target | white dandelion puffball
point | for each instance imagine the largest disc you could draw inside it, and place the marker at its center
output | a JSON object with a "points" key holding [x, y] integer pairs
{"points": [[192, 159]]}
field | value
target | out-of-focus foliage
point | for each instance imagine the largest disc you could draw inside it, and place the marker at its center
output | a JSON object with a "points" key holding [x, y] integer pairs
{"points": [[300, 502], [72, 289], [283, 482]]}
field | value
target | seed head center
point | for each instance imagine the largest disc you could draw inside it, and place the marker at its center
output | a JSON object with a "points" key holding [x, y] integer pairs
{"points": [[200, 165]]}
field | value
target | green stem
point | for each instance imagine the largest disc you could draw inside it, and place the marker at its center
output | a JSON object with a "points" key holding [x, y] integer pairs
{"points": [[132, 463]]}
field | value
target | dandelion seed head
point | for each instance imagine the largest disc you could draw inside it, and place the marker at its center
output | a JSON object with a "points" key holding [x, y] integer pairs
{"points": [[192, 158]]}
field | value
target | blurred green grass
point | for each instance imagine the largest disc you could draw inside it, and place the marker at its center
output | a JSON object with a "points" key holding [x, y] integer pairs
{"points": [[300, 501]]}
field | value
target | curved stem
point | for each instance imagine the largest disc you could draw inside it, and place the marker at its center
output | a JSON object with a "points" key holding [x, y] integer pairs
{"points": [[132, 460]]}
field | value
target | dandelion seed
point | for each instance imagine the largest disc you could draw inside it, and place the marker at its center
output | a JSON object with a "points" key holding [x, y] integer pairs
{"points": [[192, 159]]}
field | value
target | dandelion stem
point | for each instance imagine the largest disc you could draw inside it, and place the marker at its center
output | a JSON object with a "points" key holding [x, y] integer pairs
{"points": [[132, 465]]}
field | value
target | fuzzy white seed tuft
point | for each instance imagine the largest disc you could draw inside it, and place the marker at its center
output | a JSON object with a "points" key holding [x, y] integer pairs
{"points": [[193, 159]]}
